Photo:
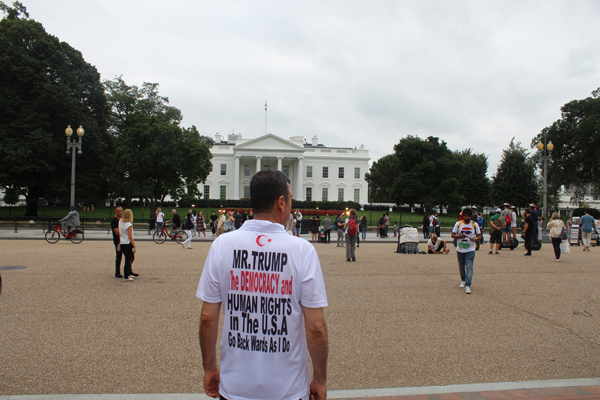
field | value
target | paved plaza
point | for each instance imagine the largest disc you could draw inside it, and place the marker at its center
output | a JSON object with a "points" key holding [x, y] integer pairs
{"points": [[398, 324]]}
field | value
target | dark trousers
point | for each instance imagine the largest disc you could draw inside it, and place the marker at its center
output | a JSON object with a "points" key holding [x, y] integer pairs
{"points": [[118, 260], [528, 240], [127, 250], [381, 232], [328, 236], [357, 238], [556, 245]]}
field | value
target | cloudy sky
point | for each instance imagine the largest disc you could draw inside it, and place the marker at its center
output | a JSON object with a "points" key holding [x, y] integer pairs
{"points": [[473, 73]]}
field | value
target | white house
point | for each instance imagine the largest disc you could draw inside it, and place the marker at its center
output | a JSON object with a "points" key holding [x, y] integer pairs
{"points": [[316, 172]]}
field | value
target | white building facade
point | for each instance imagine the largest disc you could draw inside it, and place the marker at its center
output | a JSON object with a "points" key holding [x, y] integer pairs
{"points": [[316, 172]]}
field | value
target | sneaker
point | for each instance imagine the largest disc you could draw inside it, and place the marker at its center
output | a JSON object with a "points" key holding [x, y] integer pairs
{"points": [[353, 258], [468, 290], [134, 274], [347, 259], [497, 252], [118, 276], [462, 284], [527, 255], [128, 279], [491, 252]]}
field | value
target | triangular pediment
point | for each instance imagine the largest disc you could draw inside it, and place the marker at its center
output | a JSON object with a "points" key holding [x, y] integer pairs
{"points": [[269, 142]]}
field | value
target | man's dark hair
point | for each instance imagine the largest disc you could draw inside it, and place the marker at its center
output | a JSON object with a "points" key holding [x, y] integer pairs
{"points": [[528, 210], [266, 187], [467, 212], [588, 211]]}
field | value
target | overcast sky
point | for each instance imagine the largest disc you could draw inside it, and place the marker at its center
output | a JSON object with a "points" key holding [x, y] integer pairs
{"points": [[473, 73]]}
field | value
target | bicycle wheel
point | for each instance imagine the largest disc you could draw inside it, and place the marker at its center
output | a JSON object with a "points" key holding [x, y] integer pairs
{"points": [[159, 237], [181, 237], [76, 236], [52, 236]]}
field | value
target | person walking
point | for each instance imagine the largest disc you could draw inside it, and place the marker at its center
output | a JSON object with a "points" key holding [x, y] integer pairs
{"points": [[114, 225], [587, 227], [426, 225], [268, 357], [339, 226], [556, 227], [193, 222], [351, 235], [327, 225], [221, 223], [188, 227], [127, 243], [467, 233]]}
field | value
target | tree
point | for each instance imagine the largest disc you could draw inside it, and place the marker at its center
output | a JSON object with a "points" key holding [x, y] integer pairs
{"points": [[380, 179], [154, 157], [515, 181], [46, 85], [428, 173], [576, 138], [474, 184]]}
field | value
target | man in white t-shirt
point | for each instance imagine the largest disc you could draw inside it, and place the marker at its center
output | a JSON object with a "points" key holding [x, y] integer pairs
{"points": [[271, 287], [436, 245], [466, 233]]}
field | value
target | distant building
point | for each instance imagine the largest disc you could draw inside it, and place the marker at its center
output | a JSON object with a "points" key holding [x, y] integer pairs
{"points": [[316, 172], [567, 200]]}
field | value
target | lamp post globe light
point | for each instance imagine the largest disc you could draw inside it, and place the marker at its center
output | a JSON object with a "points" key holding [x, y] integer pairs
{"points": [[546, 157], [73, 145]]}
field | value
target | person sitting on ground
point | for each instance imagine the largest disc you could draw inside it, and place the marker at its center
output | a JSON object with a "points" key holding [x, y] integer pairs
{"points": [[436, 245]]}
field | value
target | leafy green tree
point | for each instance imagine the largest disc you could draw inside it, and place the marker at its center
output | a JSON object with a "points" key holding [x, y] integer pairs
{"points": [[576, 139], [46, 85], [428, 173], [515, 181], [154, 156], [474, 184], [381, 177]]}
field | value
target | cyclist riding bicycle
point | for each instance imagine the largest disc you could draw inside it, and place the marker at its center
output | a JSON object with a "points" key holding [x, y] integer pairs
{"points": [[71, 220], [175, 221]]}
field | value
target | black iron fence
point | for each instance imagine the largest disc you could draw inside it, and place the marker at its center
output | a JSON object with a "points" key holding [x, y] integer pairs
{"points": [[86, 223]]}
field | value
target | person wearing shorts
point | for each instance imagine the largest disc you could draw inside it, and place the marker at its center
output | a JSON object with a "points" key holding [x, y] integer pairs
{"points": [[496, 232]]}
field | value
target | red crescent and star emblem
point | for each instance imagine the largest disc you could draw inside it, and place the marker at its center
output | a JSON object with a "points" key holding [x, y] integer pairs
{"points": [[261, 242]]}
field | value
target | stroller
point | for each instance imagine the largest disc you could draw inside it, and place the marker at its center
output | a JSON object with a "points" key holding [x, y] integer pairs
{"points": [[408, 240], [321, 234]]}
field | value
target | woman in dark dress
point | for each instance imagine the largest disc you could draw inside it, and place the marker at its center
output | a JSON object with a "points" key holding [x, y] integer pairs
{"points": [[314, 228]]}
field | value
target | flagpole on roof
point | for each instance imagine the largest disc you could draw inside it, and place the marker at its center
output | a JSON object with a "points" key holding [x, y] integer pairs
{"points": [[265, 117]]}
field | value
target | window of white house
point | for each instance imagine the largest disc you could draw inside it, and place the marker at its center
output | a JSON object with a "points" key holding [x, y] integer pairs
{"points": [[357, 195], [223, 193], [356, 173], [223, 169], [286, 170], [325, 172], [246, 192], [246, 170], [341, 173], [266, 167], [207, 191], [309, 171], [341, 194], [324, 193], [308, 194]]}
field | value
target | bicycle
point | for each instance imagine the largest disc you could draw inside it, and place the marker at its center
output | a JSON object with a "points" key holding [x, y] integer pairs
{"points": [[53, 235], [160, 237]]}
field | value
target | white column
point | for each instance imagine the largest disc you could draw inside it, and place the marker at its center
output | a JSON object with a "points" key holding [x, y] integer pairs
{"points": [[236, 178], [279, 163], [299, 195], [258, 167]]}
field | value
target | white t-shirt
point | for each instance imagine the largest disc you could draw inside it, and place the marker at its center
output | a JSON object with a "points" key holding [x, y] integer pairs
{"points": [[123, 230], [435, 245], [160, 217], [263, 277], [470, 229], [513, 220]]}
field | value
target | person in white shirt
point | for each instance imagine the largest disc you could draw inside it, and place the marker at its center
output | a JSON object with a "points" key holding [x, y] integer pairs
{"points": [[436, 245], [127, 243], [160, 219], [467, 234], [271, 287]]}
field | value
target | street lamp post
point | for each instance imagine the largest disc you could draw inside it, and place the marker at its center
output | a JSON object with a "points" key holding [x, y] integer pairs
{"points": [[547, 157], [73, 145]]}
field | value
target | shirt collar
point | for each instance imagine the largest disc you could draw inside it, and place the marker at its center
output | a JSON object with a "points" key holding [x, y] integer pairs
{"points": [[259, 225]]}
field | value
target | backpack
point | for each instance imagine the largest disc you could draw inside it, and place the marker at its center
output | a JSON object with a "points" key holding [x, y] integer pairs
{"points": [[352, 227], [508, 219]]}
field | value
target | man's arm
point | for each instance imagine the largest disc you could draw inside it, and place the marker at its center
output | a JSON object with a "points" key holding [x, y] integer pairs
{"points": [[318, 347], [208, 333]]}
